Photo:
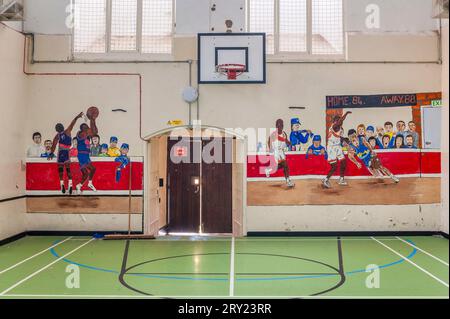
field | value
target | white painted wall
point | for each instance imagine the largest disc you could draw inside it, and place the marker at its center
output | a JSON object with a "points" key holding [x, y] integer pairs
{"points": [[445, 130], [193, 16], [411, 16], [344, 218], [13, 87], [46, 16]]}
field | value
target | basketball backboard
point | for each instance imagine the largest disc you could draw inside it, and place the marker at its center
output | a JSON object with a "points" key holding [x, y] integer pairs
{"points": [[231, 58]]}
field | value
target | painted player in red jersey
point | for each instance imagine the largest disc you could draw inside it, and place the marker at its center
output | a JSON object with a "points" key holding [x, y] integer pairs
{"points": [[278, 144], [335, 152]]}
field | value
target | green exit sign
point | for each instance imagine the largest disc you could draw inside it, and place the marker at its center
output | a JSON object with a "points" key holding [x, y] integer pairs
{"points": [[436, 103]]}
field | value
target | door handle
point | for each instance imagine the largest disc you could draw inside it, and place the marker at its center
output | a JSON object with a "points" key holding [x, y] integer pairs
{"points": [[197, 190]]}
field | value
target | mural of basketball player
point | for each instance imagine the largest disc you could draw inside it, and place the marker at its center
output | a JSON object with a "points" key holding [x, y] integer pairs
{"points": [[63, 140], [335, 152], [84, 149], [278, 144], [361, 149], [123, 159]]}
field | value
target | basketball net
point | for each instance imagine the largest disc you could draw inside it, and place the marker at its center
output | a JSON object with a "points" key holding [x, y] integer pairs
{"points": [[232, 71]]}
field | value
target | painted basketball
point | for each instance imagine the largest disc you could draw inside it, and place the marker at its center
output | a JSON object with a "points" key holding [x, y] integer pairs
{"points": [[92, 113]]}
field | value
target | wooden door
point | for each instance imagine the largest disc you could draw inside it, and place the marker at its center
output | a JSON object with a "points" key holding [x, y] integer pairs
{"points": [[216, 216], [183, 195]]}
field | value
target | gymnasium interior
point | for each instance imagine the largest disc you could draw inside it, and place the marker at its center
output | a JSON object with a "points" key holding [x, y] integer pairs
{"points": [[266, 149]]}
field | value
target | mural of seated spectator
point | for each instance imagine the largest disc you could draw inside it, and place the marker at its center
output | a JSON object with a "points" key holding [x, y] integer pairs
{"points": [[361, 131], [300, 139], [389, 129], [373, 142], [37, 149], [95, 147], [123, 159], [409, 142], [317, 149], [48, 149], [412, 130], [386, 141], [103, 151], [401, 129], [113, 150], [399, 142], [345, 144], [351, 134]]}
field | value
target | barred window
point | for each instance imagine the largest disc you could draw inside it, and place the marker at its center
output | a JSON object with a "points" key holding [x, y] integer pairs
{"points": [[123, 25], [90, 26], [157, 22], [133, 26], [303, 27]]}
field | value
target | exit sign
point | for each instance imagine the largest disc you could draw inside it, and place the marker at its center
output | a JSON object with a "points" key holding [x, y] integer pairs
{"points": [[436, 103]]}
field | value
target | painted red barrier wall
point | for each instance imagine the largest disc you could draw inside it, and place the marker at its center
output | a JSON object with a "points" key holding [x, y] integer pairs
{"points": [[400, 163], [43, 176], [431, 163]]}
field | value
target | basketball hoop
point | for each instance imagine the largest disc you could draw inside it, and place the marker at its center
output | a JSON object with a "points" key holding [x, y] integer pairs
{"points": [[232, 71]]}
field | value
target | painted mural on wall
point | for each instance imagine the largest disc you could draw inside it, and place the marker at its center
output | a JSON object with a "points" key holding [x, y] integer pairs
{"points": [[82, 158], [371, 163]]}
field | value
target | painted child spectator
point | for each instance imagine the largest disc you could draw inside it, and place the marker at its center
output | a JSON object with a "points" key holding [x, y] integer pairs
{"points": [[300, 139], [346, 143], [401, 128], [389, 129], [113, 150], [123, 159], [74, 150], [386, 142], [370, 132], [373, 143], [104, 151], [399, 141], [48, 149], [317, 148], [95, 147], [412, 130], [36, 150], [351, 134], [409, 142], [361, 131], [379, 136]]}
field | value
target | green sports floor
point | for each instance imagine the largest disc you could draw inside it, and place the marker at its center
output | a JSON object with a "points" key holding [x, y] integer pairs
{"points": [[199, 267]]}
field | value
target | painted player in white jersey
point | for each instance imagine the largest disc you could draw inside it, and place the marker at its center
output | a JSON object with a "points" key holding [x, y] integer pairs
{"points": [[278, 145], [335, 151]]}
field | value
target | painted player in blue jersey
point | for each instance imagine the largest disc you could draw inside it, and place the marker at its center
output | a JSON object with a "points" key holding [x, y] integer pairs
{"points": [[84, 149], [361, 149], [63, 140], [123, 159], [317, 148]]}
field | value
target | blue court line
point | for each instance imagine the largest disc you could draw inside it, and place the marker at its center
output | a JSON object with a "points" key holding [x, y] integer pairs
{"points": [[410, 256]]}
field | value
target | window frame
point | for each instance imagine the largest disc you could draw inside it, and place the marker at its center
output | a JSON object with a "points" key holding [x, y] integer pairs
{"points": [[308, 54], [125, 55]]}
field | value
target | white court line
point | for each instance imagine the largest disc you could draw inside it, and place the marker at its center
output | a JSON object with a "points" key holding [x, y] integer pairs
{"points": [[425, 252], [43, 268], [219, 297], [412, 263], [232, 267], [29, 258]]}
